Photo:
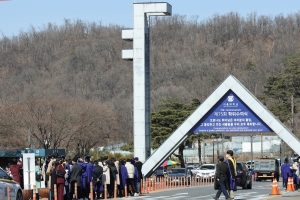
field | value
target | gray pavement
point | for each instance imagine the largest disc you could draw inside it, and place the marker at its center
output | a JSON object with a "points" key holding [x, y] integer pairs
{"points": [[259, 191], [287, 196]]}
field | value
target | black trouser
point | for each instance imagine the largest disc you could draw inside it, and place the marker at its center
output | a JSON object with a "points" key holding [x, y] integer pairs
{"points": [[222, 183], [72, 190], [111, 187], [97, 190], [86, 189], [130, 181]]}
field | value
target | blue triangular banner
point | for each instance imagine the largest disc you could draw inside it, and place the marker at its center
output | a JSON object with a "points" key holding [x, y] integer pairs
{"points": [[230, 114]]}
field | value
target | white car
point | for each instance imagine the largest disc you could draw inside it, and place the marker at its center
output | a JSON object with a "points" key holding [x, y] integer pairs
{"points": [[15, 188], [193, 169], [206, 171]]}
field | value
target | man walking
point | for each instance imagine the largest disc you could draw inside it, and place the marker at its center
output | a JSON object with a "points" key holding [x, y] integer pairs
{"points": [[138, 166], [221, 178], [231, 162]]}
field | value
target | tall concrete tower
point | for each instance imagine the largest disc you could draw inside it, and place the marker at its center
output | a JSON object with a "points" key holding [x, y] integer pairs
{"points": [[140, 55]]}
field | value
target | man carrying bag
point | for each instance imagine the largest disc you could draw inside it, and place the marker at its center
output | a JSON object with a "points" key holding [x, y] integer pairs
{"points": [[221, 179]]}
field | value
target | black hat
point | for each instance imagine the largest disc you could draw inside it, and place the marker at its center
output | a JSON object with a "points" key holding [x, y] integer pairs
{"points": [[136, 158], [86, 157], [75, 159]]}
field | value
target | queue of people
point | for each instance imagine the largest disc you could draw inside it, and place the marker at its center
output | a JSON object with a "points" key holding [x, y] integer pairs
{"points": [[83, 171], [290, 171]]}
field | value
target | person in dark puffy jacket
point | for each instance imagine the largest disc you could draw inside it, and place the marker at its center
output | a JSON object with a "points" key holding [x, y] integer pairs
{"points": [[113, 173]]}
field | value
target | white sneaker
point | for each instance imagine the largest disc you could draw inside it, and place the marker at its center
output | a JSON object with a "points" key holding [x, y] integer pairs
{"points": [[136, 194]]}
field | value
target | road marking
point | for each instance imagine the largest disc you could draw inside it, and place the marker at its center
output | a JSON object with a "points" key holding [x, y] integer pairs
{"points": [[178, 197], [211, 195], [178, 194]]}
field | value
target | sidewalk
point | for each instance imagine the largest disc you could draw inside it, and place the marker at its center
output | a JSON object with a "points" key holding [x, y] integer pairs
{"points": [[286, 196]]}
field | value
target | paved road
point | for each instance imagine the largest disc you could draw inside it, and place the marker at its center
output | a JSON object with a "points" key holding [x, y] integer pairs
{"points": [[259, 191]]}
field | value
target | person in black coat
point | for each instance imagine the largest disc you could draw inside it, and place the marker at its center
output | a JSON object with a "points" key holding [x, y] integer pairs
{"points": [[221, 178], [138, 164], [97, 179], [113, 172], [76, 173]]}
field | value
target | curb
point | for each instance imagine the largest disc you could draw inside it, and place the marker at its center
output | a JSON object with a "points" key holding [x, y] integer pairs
{"points": [[291, 194]]}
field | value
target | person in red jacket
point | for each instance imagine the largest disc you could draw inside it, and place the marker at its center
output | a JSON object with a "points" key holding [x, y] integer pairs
{"points": [[15, 169], [60, 179]]}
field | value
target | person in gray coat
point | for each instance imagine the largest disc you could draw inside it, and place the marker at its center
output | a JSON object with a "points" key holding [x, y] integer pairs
{"points": [[75, 177]]}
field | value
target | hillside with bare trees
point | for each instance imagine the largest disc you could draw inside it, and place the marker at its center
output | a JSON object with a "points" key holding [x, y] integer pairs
{"points": [[62, 85]]}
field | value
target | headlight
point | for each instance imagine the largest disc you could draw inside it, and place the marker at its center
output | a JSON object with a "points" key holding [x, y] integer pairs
{"points": [[212, 172]]}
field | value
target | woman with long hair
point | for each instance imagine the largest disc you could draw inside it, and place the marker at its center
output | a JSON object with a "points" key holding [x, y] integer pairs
{"points": [[113, 172], [60, 178]]}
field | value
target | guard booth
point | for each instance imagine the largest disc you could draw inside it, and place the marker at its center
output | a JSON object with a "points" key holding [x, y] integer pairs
{"points": [[6, 156]]}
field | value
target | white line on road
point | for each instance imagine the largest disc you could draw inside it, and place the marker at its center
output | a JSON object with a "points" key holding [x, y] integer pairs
{"points": [[178, 194], [178, 197]]}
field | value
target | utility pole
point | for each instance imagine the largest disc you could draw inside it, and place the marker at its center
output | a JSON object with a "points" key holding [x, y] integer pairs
{"points": [[204, 145], [223, 144], [261, 145], [199, 150], [251, 148], [213, 149]]}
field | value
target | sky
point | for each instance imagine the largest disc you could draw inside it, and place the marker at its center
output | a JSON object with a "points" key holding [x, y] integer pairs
{"points": [[17, 15]]}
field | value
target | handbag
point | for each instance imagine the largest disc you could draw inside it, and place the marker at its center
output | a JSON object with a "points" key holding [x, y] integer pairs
{"points": [[216, 185], [59, 173], [38, 177]]}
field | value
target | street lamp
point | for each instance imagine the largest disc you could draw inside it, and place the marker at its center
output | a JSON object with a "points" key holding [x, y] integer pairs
{"points": [[213, 148]]}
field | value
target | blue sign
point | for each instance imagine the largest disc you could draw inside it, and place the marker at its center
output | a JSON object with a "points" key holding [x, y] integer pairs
{"points": [[37, 152], [231, 114]]}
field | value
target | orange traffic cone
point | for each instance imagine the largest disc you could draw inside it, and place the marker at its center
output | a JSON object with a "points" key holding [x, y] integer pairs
{"points": [[289, 187], [293, 186], [275, 189]]}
